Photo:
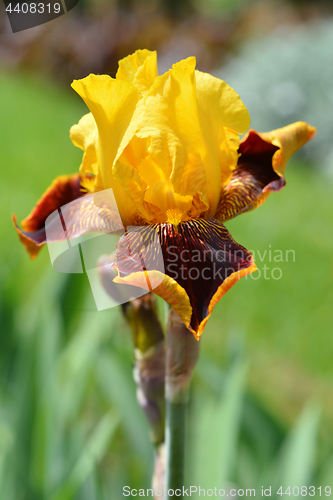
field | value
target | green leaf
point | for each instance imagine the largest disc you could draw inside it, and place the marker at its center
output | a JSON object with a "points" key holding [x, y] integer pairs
{"points": [[298, 455], [94, 450], [217, 425]]}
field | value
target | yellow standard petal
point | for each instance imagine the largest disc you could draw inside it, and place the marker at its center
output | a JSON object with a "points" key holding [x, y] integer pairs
{"points": [[84, 135], [114, 105], [171, 114], [139, 68], [224, 116], [166, 143]]}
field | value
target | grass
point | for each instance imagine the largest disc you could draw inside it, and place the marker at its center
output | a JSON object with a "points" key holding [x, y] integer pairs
{"points": [[70, 427]]}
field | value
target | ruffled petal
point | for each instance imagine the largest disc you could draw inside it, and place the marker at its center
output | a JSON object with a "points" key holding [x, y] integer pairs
{"points": [[165, 287], [201, 263], [139, 68], [74, 213], [164, 142], [84, 135], [171, 114], [224, 116], [116, 110], [288, 139], [260, 169]]}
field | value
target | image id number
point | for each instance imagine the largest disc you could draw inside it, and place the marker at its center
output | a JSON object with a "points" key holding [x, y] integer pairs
{"points": [[34, 8], [303, 491]]}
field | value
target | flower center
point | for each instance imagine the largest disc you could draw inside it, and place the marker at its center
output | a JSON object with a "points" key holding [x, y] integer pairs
{"points": [[174, 216], [173, 205]]}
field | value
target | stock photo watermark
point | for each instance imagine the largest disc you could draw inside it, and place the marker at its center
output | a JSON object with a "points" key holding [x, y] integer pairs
{"points": [[198, 491], [24, 15], [190, 264]]}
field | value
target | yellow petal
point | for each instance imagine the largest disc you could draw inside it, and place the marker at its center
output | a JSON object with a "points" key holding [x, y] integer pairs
{"points": [[165, 287], [289, 139], [135, 151], [165, 143], [224, 116], [84, 135], [114, 105], [139, 68], [221, 104], [171, 110]]}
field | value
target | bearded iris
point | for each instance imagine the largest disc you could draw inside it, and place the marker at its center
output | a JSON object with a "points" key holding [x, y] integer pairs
{"points": [[169, 147]]}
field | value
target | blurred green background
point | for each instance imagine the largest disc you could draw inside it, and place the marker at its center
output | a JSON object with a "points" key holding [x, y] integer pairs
{"points": [[261, 412]]}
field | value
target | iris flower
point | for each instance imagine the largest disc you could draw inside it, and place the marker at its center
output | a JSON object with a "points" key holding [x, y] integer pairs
{"points": [[169, 147]]}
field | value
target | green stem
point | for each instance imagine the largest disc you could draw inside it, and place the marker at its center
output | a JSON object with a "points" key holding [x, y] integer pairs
{"points": [[182, 352], [175, 445]]}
